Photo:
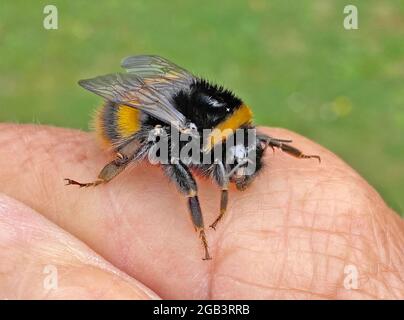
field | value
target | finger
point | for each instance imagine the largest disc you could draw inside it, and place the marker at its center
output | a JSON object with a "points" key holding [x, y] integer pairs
{"points": [[41, 261], [290, 235]]}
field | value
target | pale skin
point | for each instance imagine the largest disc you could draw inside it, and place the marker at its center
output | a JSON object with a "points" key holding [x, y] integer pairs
{"points": [[290, 235]]}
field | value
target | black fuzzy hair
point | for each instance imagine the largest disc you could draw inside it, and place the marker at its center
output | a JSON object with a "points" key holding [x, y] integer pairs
{"points": [[217, 91], [194, 106]]}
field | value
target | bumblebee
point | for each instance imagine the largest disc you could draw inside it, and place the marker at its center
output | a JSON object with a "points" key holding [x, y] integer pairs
{"points": [[156, 99]]}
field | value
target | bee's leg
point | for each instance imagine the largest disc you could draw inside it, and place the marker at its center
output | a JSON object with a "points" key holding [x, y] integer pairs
{"points": [[181, 175], [223, 179], [284, 146], [110, 171]]}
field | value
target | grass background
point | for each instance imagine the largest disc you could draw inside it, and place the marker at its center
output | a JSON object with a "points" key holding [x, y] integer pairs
{"points": [[292, 61]]}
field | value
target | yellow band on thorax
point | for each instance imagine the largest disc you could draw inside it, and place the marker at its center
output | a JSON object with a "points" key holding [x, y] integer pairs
{"points": [[242, 116]]}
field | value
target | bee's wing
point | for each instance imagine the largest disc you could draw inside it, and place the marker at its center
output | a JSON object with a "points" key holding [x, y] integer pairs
{"points": [[134, 91], [164, 72]]}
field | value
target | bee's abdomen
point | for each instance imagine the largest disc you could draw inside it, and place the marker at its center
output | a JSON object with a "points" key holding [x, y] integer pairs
{"points": [[114, 123]]}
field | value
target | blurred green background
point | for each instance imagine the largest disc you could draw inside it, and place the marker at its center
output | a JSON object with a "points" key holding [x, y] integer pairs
{"points": [[292, 61]]}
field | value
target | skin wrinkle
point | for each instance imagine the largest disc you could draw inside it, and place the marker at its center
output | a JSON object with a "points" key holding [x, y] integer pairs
{"points": [[378, 234], [123, 242], [28, 162], [388, 264], [385, 243], [375, 274], [304, 211], [39, 179], [327, 246], [312, 277], [274, 288], [380, 248], [212, 271], [115, 213], [24, 278], [285, 242]]}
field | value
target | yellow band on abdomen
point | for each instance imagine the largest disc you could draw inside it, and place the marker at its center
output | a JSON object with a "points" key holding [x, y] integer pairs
{"points": [[127, 119]]}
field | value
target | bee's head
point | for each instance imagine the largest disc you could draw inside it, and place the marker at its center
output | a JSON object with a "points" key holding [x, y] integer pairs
{"points": [[206, 104], [246, 161]]}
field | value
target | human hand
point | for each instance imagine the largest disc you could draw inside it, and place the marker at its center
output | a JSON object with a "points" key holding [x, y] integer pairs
{"points": [[290, 235]]}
